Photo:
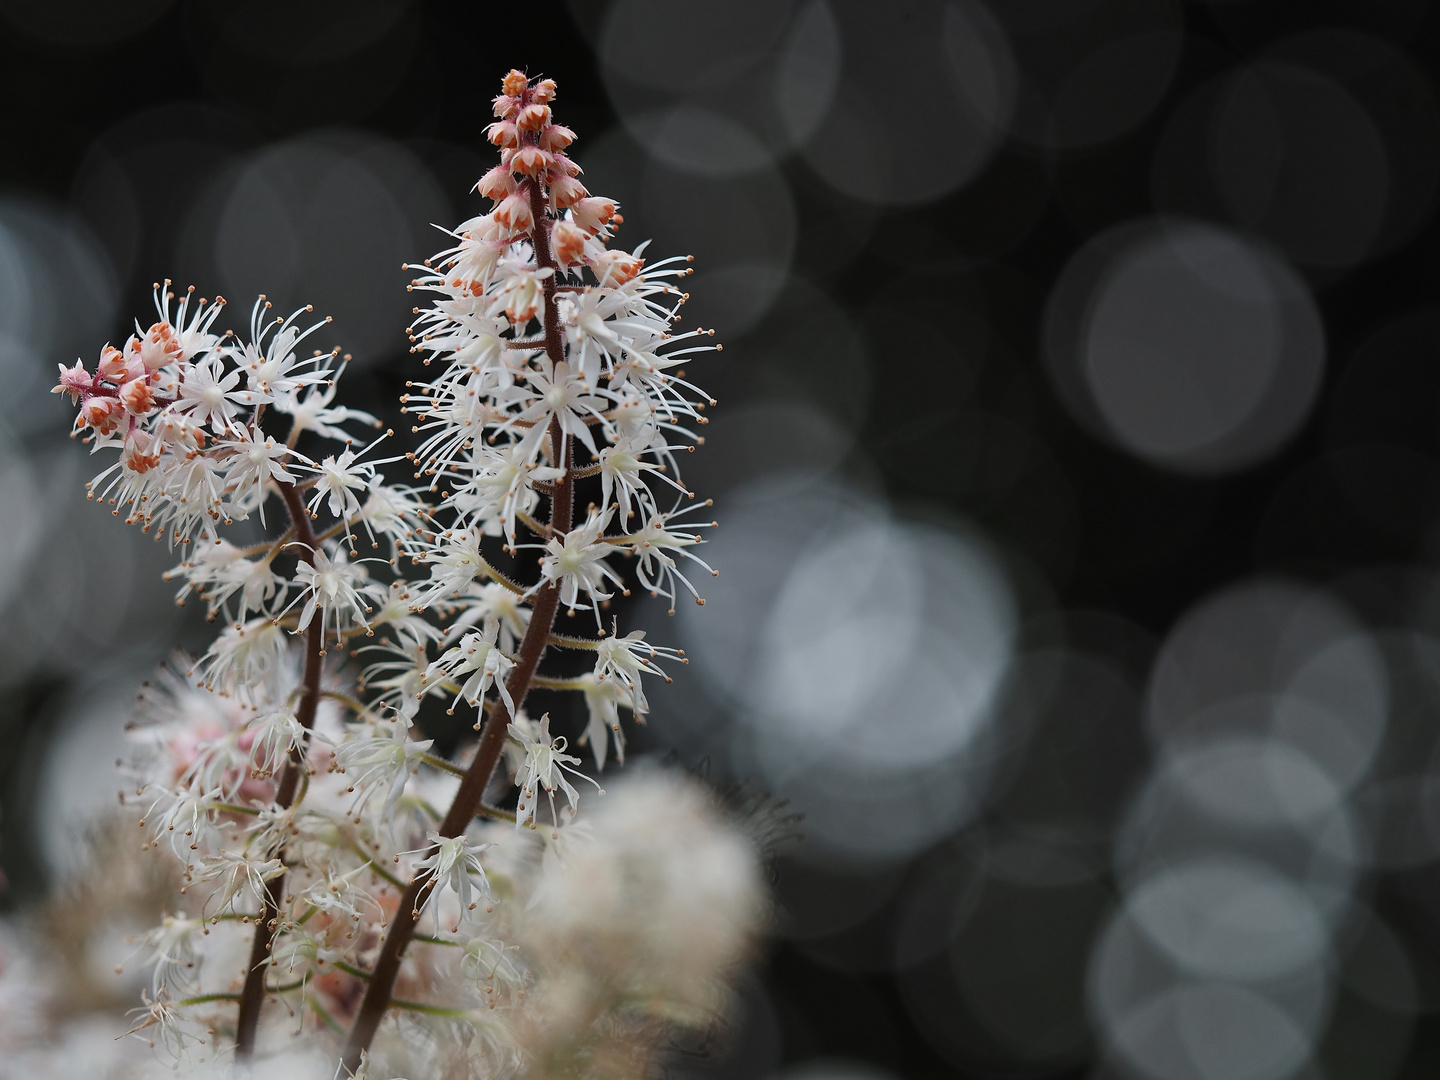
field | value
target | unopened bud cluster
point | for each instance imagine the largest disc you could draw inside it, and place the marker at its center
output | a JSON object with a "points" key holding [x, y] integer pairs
{"points": [[325, 886]]}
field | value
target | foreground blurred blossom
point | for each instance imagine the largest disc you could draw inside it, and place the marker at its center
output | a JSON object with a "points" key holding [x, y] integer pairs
{"points": [[639, 913], [402, 939]]}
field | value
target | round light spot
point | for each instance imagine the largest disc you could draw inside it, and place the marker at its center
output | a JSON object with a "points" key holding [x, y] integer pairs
{"points": [[1211, 1031], [58, 295], [1296, 158], [924, 98], [1200, 351], [324, 220], [1221, 918], [1250, 781], [1089, 71], [1252, 640], [719, 91]]}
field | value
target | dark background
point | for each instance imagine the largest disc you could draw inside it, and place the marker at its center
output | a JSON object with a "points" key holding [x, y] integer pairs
{"points": [[889, 275]]}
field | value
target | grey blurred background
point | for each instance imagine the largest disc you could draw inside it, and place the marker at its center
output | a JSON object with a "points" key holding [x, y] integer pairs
{"points": [[1076, 462]]}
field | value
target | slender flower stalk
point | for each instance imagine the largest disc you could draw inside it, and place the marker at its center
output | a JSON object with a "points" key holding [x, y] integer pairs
{"points": [[253, 994], [550, 426]]}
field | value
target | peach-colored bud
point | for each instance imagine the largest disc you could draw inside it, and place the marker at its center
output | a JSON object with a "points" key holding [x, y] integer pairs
{"points": [[565, 192], [101, 413], [543, 91], [503, 133], [74, 381], [533, 117], [159, 347], [556, 137], [567, 242], [530, 161], [137, 397], [514, 213], [617, 267], [496, 184], [592, 213], [560, 165], [514, 83], [505, 107], [112, 364]]}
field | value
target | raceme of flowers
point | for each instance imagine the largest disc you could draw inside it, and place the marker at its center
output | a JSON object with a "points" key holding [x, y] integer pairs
{"points": [[325, 886]]}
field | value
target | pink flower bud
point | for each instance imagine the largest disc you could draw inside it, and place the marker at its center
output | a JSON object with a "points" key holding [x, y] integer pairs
{"points": [[112, 364], [592, 213], [514, 83], [514, 213], [566, 192], [543, 91], [503, 133], [533, 117], [560, 165], [101, 413], [137, 397], [496, 184], [556, 137], [530, 161], [567, 242], [159, 347], [617, 267], [74, 381]]}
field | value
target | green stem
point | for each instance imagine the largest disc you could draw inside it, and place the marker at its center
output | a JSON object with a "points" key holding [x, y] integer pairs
{"points": [[204, 998], [421, 1007]]}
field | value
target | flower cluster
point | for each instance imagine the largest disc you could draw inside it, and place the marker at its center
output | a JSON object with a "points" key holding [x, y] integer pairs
{"points": [[556, 361], [286, 771], [184, 406]]}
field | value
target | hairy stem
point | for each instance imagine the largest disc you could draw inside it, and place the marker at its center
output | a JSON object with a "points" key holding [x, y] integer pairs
{"points": [[253, 994], [492, 736]]}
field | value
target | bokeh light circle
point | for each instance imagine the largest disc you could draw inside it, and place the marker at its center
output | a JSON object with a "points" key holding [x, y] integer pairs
{"points": [[325, 219], [1160, 1023], [1185, 344], [1297, 159], [923, 99], [861, 654], [1089, 70], [720, 91], [1227, 919], [58, 294]]}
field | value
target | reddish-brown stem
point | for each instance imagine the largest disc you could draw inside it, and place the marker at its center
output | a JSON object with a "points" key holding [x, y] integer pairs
{"points": [[492, 736], [252, 997]]}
